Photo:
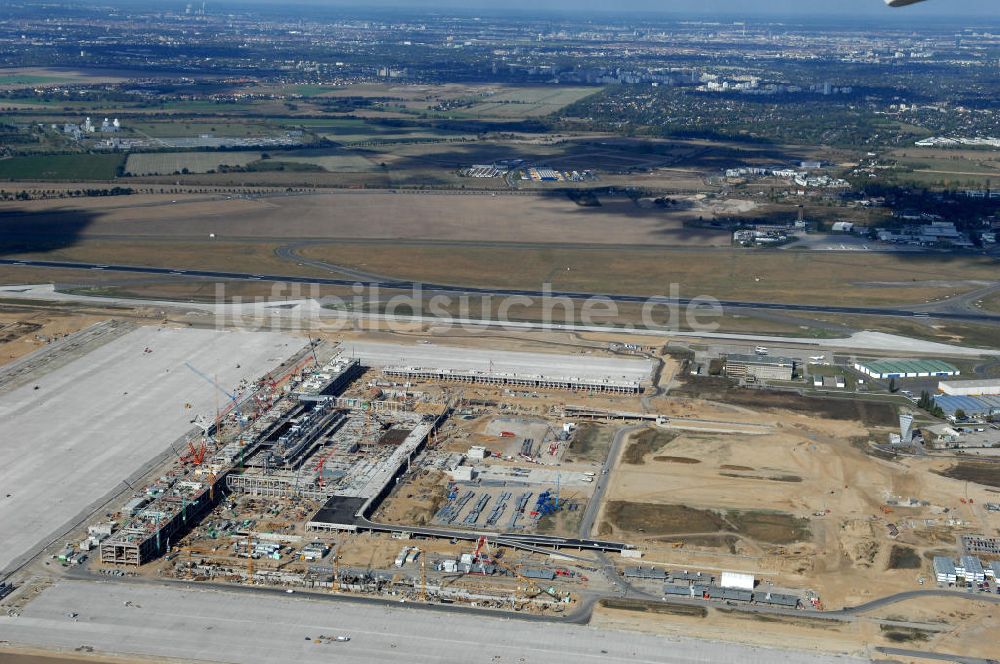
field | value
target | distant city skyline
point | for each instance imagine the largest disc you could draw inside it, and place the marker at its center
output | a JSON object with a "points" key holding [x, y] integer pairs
{"points": [[707, 8]]}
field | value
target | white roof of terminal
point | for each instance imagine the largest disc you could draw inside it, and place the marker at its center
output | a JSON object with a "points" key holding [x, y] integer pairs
{"points": [[488, 360], [581, 380]]}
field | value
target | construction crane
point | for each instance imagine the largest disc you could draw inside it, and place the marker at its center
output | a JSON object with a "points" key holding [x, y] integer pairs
{"points": [[215, 383], [195, 455], [250, 557], [319, 467], [312, 348], [423, 578]]}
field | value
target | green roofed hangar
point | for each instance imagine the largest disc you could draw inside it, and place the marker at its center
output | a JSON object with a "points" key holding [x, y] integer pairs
{"points": [[906, 369]]}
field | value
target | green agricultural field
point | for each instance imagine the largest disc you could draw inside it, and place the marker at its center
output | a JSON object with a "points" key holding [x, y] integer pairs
{"points": [[358, 131], [951, 167], [27, 79], [81, 167], [307, 90], [332, 160], [168, 163], [190, 129], [528, 102]]}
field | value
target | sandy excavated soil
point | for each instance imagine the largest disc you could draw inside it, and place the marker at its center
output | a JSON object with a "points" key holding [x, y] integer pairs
{"points": [[808, 469], [25, 332], [954, 626]]}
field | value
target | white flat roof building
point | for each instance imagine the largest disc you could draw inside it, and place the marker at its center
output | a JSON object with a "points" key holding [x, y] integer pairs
{"points": [[970, 388], [944, 570], [970, 569], [737, 580]]}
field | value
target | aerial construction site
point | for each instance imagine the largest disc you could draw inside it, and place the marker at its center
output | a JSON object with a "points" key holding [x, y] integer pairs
{"points": [[564, 477], [338, 474]]}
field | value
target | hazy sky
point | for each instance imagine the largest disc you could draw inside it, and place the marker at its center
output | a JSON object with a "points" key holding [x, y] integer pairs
{"points": [[988, 9]]}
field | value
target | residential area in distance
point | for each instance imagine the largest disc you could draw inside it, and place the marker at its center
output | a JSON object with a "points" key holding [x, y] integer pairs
{"points": [[499, 334]]}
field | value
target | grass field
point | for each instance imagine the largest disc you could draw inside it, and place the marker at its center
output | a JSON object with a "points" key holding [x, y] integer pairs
{"points": [[955, 332], [981, 472], [350, 130], [15, 80], [13, 77], [719, 389], [220, 255], [590, 443], [332, 160], [664, 520], [82, 167], [723, 273], [951, 167], [167, 163], [992, 303], [217, 128], [528, 102], [453, 100], [646, 442]]}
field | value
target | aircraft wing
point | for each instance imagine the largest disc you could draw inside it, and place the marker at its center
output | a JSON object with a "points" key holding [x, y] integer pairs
{"points": [[901, 3]]}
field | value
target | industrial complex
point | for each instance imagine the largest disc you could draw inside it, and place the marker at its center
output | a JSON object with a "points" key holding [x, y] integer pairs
{"points": [[547, 482], [445, 332]]}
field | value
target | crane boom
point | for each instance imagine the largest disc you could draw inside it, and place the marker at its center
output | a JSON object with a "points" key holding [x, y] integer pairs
{"points": [[212, 382]]}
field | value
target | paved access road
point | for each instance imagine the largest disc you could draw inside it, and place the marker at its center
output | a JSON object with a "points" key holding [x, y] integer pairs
{"points": [[213, 625], [920, 654], [406, 285], [604, 478]]}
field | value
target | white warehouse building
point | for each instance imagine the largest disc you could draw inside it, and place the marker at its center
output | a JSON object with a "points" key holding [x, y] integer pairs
{"points": [[944, 570], [970, 388]]}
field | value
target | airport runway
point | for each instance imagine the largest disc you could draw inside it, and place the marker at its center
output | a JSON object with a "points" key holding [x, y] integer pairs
{"points": [[430, 288], [215, 625]]}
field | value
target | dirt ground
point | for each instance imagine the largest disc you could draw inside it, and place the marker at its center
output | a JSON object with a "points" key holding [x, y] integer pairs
{"points": [[805, 506], [23, 332], [591, 443], [416, 502], [33, 656], [953, 626]]}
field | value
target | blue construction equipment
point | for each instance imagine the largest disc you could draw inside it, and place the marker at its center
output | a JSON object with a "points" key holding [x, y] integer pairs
{"points": [[546, 504], [215, 383]]}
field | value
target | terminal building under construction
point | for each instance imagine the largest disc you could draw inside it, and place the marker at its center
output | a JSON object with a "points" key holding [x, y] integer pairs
{"points": [[586, 384]]}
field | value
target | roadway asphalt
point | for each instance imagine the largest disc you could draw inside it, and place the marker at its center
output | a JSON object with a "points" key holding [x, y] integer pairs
{"points": [[215, 625], [431, 288], [604, 478], [921, 654]]}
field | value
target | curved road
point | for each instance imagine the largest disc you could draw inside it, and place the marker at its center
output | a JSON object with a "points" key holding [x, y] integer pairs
{"points": [[407, 285]]}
